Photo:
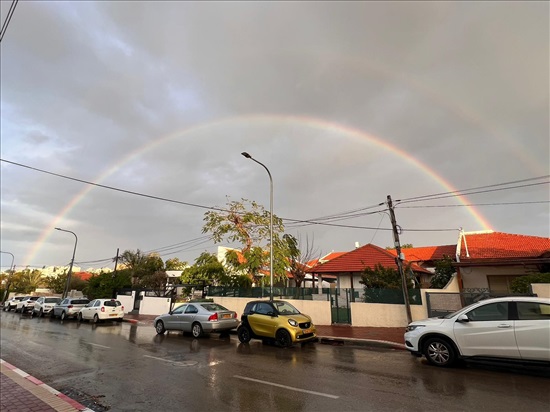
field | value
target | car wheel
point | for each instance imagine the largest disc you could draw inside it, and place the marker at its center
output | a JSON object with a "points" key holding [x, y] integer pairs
{"points": [[96, 319], [283, 338], [63, 315], [196, 330], [159, 327], [439, 352], [79, 317], [243, 334], [41, 313]]}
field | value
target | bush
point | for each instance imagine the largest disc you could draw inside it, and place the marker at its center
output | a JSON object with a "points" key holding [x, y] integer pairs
{"points": [[521, 284]]}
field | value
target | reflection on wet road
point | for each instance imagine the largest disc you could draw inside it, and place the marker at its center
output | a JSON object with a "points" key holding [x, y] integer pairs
{"points": [[123, 366]]}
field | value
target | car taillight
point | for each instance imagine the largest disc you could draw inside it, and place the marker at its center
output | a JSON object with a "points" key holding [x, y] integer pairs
{"points": [[103, 308], [235, 315], [70, 306], [122, 308], [213, 317]]}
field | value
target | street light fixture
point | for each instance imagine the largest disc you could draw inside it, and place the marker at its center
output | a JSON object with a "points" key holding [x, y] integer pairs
{"points": [[9, 277], [245, 154], [66, 290]]}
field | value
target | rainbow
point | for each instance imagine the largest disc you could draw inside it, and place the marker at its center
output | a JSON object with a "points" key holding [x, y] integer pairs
{"points": [[258, 119]]}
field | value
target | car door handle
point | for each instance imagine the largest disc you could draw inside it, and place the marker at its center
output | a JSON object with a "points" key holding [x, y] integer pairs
{"points": [[504, 326]]}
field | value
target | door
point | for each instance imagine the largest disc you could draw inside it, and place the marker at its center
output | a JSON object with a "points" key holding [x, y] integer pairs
{"points": [[175, 320], [263, 321], [186, 319], [489, 332], [532, 330]]}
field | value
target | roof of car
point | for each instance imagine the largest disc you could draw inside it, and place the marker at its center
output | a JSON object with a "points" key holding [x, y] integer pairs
{"points": [[518, 299]]}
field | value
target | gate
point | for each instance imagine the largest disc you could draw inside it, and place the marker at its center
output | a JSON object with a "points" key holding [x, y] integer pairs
{"points": [[340, 304]]}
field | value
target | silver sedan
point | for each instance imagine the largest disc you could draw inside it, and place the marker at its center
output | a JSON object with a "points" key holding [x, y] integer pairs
{"points": [[197, 318]]}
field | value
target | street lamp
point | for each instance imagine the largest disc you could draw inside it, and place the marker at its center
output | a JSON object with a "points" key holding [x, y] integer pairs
{"points": [[9, 277], [270, 222], [66, 290]]}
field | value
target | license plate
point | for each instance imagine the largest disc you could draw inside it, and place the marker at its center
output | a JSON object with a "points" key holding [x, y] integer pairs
{"points": [[112, 314], [304, 331], [226, 316]]}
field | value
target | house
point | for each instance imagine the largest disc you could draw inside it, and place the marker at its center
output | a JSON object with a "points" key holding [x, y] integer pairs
{"points": [[426, 257], [489, 261], [348, 267]]}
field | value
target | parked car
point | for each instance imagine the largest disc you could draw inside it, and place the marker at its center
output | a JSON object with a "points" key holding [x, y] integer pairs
{"points": [[275, 320], [102, 309], [26, 304], [12, 303], [509, 328], [197, 318], [68, 308], [44, 305]]}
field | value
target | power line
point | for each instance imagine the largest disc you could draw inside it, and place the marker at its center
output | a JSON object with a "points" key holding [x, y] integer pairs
{"points": [[8, 19], [478, 204], [463, 191]]}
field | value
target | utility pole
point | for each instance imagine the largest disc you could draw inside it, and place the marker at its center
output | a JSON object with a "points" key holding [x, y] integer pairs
{"points": [[399, 260], [113, 295]]}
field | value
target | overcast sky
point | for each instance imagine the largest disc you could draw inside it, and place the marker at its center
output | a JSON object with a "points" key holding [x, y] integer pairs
{"points": [[345, 103]]}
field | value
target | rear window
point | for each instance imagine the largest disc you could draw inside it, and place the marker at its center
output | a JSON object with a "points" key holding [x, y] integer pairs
{"points": [[34, 298], [212, 307], [51, 300], [80, 301], [112, 303]]}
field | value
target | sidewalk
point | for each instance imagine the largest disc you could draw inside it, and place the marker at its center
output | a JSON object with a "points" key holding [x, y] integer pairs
{"points": [[20, 392], [391, 338]]}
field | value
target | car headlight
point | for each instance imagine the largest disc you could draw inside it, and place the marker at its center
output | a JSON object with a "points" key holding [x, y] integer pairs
{"points": [[292, 322], [410, 328]]}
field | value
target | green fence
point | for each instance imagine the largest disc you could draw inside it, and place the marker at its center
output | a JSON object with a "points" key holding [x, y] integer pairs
{"points": [[392, 296]]}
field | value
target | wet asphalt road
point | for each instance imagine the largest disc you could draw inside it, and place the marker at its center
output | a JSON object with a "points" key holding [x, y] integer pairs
{"points": [[126, 367]]}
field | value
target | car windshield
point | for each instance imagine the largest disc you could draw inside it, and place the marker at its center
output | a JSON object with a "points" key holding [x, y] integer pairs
{"points": [[79, 301], [212, 307], [451, 315], [285, 308]]}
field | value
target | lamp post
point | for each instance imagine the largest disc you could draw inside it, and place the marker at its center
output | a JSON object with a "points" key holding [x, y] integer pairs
{"points": [[9, 277], [66, 290], [245, 154]]}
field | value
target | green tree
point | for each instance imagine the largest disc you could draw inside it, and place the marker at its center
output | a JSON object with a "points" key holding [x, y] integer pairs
{"points": [[26, 281], [521, 284], [248, 224], [57, 283], [175, 264], [444, 270], [207, 269], [141, 265], [106, 283], [380, 277]]}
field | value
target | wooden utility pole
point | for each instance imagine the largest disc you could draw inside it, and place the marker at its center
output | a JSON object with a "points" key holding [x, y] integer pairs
{"points": [[399, 260]]}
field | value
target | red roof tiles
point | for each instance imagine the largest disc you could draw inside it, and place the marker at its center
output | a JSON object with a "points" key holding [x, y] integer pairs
{"points": [[495, 245], [427, 253], [357, 260]]}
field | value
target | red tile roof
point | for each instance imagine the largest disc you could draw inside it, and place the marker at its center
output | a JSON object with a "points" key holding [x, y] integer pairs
{"points": [[325, 258], [427, 253], [83, 275], [495, 245], [357, 260]]}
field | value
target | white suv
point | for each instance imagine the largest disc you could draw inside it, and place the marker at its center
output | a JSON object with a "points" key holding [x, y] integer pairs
{"points": [[44, 305], [510, 328]]}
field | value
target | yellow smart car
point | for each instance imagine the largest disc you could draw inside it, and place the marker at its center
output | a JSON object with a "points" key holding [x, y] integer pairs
{"points": [[275, 320]]}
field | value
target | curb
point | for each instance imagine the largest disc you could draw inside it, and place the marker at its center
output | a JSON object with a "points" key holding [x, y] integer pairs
{"points": [[385, 344], [41, 384]]}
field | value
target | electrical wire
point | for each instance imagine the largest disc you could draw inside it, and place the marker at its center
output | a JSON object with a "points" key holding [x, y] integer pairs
{"points": [[8, 19], [477, 204]]}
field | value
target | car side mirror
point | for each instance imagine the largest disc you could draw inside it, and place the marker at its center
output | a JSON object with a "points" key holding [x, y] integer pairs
{"points": [[463, 318]]}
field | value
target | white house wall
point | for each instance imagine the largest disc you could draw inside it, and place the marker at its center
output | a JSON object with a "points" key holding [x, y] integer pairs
{"points": [[476, 277]]}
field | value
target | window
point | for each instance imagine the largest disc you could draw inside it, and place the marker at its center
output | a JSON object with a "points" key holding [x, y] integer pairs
{"points": [[500, 284], [97, 303], [490, 312], [263, 308], [179, 310], [533, 311], [191, 309]]}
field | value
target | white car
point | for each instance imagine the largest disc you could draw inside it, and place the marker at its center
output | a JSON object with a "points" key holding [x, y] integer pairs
{"points": [[102, 309], [510, 328], [44, 305], [26, 304], [12, 303]]}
